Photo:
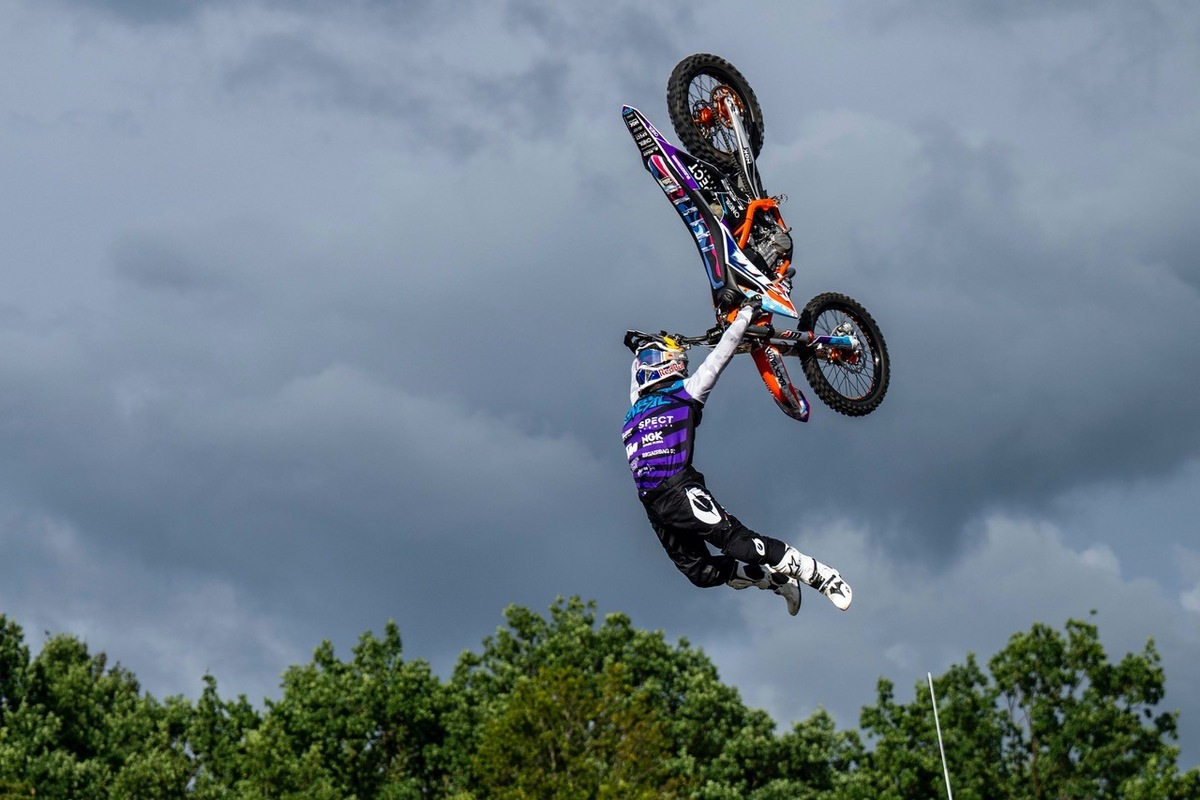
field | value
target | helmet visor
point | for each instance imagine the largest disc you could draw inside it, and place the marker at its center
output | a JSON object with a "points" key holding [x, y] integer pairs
{"points": [[660, 361]]}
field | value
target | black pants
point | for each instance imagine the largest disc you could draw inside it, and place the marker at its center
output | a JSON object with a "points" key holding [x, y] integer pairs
{"points": [[687, 518]]}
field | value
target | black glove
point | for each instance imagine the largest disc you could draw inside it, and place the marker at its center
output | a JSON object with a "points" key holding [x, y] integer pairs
{"points": [[726, 300], [753, 303], [635, 339]]}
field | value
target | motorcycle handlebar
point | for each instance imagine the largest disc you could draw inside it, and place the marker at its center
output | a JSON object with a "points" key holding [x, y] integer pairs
{"points": [[713, 335]]}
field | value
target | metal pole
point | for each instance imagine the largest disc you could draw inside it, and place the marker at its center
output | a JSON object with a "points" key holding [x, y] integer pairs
{"points": [[938, 726]]}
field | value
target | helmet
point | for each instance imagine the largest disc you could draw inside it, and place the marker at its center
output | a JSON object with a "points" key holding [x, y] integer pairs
{"points": [[657, 358]]}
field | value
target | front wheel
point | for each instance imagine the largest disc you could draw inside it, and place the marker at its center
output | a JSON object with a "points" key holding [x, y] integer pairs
{"points": [[696, 94], [851, 381]]}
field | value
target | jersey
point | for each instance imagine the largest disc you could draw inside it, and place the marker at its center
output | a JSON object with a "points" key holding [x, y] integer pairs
{"points": [[660, 427], [659, 433]]}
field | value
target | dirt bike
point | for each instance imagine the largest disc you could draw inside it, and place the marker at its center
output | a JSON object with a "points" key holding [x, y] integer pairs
{"points": [[746, 247]]}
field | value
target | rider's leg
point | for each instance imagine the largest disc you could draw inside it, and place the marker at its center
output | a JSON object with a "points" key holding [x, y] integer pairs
{"points": [[754, 553], [688, 517], [689, 508], [691, 556], [735, 539], [748, 575]]}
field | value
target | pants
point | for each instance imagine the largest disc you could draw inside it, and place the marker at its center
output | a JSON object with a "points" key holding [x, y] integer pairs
{"points": [[687, 518]]}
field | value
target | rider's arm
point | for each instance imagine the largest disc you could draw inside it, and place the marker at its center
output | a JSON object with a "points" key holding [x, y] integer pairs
{"points": [[701, 382]]}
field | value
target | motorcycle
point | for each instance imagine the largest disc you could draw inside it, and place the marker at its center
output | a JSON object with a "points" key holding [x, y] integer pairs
{"points": [[746, 247]]}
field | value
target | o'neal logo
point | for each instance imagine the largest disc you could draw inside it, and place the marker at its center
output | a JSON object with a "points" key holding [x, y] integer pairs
{"points": [[703, 507]]}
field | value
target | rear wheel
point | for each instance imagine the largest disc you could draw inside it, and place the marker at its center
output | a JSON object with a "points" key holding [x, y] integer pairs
{"points": [[851, 382], [696, 94]]}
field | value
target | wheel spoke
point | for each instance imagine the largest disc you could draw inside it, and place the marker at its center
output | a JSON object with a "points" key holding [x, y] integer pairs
{"points": [[705, 94], [851, 381]]}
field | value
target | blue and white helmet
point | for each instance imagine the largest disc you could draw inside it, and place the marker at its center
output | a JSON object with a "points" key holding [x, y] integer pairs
{"points": [[657, 358]]}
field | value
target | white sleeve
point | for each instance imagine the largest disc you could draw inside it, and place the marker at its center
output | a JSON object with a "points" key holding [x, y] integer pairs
{"points": [[701, 382], [633, 384]]}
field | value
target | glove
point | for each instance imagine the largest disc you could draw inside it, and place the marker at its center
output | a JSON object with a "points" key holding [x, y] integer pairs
{"points": [[753, 303]]}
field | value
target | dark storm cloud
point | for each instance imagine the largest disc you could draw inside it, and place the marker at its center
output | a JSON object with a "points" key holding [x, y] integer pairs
{"points": [[1019, 373], [624, 34], [980, 12], [155, 263], [142, 12], [292, 68], [182, 463], [334, 331], [152, 12], [1109, 61], [463, 100]]}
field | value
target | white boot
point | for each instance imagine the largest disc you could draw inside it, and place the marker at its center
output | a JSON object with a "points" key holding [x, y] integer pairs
{"points": [[825, 579], [789, 590], [748, 575]]}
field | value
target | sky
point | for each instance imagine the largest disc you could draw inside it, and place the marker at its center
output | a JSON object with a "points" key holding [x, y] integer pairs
{"points": [[312, 317]]}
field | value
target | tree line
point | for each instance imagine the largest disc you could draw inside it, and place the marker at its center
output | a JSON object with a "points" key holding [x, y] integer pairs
{"points": [[567, 705]]}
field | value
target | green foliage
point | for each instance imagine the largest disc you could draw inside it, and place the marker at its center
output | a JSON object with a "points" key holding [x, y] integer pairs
{"points": [[369, 727], [1054, 720], [570, 706], [1078, 726], [700, 716], [73, 727], [217, 734], [568, 734]]}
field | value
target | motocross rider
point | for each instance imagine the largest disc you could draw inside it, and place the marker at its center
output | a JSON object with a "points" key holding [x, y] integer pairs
{"points": [[659, 438]]}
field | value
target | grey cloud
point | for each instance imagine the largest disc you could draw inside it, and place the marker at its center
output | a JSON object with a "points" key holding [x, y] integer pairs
{"points": [[533, 104], [293, 65], [157, 264], [980, 12], [1013, 378], [365, 338], [917, 620], [163, 12], [451, 104], [618, 31], [143, 12]]}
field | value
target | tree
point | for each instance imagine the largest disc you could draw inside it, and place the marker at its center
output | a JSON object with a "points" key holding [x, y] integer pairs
{"points": [[813, 760], [16, 791], [14, 662], [1076, 725], [371, 727], [679, 684], [217, 734], [567, 705], [570, 734], [75, 727], [1055, 719]]}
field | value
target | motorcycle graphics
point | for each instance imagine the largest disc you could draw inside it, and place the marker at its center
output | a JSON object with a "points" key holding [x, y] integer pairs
{"points": [[746, 248]]}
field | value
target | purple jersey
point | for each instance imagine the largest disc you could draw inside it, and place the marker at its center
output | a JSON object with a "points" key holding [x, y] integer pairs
{"points": [[660, 427], [659, 433]]}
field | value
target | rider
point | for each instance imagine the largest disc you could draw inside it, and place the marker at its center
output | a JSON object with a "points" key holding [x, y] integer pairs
{"points": [[659, 437]]}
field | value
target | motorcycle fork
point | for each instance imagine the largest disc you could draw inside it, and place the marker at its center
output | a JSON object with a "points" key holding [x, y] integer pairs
{"points": [[769, 360], [745, 155]]}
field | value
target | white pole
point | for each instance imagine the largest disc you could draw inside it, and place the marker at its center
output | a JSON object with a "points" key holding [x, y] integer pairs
{"points": [[941, 749]]}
